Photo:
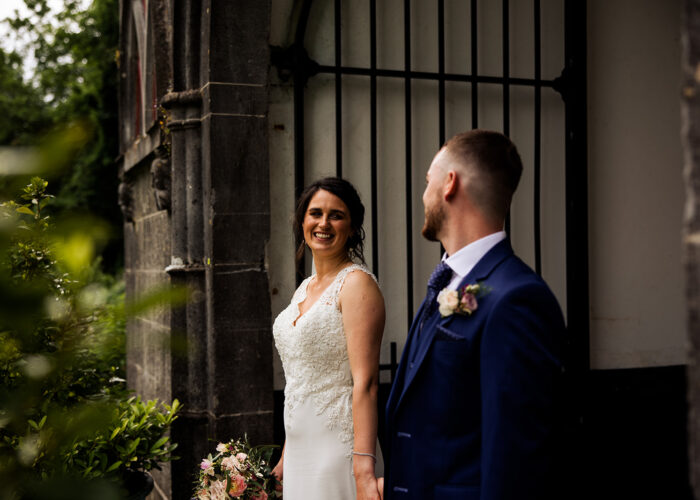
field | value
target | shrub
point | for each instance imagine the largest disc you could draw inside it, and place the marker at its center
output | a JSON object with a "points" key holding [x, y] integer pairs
{"points": [[66, 418]]}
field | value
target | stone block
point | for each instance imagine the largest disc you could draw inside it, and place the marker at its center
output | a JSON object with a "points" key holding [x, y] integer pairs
{"points": [[238, 41], [240, 301], [240, 238], [241, 378], [153, 249], [142, 191], [130, 246], [235, 99], [163, 484], [235, 158], [145, 283], [192, 434], [190, 372], [257, 427], [148, 361]]}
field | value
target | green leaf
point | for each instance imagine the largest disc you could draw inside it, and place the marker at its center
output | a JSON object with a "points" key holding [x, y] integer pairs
{"points": [[25, 210], [159, 443], [133, 445], [114, 466]]}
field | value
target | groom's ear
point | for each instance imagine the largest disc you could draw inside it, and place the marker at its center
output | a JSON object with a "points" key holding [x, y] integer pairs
{"points": [[449, 189]]}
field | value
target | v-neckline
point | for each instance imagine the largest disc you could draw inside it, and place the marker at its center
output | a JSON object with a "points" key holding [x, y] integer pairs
{"points": [[306, 295]]}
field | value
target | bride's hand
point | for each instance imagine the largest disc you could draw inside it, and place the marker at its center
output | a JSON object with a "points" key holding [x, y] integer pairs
{"points": [[367, 487], [278, 472]]}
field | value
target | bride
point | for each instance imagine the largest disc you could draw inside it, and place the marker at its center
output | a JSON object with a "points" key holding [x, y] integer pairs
{"points": [[329, 339]]}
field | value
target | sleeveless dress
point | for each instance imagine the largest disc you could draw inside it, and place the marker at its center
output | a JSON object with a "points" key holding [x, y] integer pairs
{"points": [[318, 396]]}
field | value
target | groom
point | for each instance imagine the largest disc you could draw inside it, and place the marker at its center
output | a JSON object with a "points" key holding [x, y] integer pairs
{"points": [[472, 413]]}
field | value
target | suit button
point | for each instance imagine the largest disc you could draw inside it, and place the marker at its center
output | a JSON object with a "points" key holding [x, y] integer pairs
{"points": [[400, 489], [411, 366], [403, 435]]}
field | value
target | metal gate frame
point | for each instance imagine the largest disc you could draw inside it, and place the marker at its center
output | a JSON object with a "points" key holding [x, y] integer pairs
{"points": [[294, 62]]}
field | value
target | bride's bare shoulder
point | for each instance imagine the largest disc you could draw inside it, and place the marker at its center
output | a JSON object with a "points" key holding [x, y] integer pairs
{"points": [[360, 283]]}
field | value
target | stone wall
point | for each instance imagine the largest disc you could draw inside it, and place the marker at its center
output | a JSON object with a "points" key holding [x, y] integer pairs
{"points": [[195, 195]]}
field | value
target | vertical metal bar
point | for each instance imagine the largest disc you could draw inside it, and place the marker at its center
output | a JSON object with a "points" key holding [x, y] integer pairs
{"points": [[506, 76], [441, 69], [475, 55], [577, 293], [538, 137], [300, 78], [338, 96], [441, 79], [373, 132], [506, 68], [299, 156], [409, 169]]}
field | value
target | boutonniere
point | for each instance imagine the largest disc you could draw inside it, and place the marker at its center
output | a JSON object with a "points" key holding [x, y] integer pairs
{"points": [[461, 301]]}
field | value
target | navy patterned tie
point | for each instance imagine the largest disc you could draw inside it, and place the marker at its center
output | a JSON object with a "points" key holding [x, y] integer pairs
{"points": [[441, 277]]}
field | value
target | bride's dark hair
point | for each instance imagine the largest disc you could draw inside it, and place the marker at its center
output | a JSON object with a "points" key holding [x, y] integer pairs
{"points": [[346, 192]]}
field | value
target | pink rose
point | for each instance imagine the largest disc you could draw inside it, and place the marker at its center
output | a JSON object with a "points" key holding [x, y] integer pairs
{"points": [[238, 485], [217, 490], [221, 447], [241, 457], [231, 463], [469, 302], [259, 495], [207, 467]]}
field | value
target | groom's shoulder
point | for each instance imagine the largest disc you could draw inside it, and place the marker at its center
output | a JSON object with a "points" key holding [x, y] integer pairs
{"points": [[514, 277], [515, 272]]}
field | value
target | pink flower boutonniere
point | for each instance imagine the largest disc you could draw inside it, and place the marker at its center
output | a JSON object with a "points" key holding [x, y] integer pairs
{"points": [[461, 301]]}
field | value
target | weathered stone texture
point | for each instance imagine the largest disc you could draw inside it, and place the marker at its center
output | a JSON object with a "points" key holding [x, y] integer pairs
{"points": [[214, 353], [246, 250], [235, 99], [238, 41], [690, 113], [236, 151]]}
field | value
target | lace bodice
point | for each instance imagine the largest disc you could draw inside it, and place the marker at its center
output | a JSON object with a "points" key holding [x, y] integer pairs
{"points": [[315, 356]]}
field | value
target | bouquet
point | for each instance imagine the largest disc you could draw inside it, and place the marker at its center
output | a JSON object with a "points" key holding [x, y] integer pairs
{"points": [[238, 470]]}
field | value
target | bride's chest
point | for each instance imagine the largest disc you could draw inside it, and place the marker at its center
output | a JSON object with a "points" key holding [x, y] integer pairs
{"points": [[315, 334]]}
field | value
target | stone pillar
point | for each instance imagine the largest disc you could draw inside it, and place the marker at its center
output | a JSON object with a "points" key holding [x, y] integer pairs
{"points": [[195, 195], [234, 84], [220, 173], [690, 113]]}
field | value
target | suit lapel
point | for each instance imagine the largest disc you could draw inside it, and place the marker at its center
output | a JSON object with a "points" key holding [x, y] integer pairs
{"points": [[481, 271], [400, 377]]}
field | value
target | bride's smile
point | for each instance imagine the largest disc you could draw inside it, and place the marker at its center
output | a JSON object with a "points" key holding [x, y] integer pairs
{"points": [[327, 224]]}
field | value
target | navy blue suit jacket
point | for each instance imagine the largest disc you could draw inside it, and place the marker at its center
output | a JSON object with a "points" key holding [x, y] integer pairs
{"points": [[474, 414]]}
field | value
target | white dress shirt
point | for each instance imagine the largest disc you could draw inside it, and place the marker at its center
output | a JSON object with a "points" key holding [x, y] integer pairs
{"points": [[464, 259]]}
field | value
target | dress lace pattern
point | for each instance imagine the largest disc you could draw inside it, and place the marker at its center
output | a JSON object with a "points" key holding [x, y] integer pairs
{"points": [[314, 356]]}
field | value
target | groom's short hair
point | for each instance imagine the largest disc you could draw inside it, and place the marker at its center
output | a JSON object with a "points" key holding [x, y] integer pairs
{"points": [[493, 168]]}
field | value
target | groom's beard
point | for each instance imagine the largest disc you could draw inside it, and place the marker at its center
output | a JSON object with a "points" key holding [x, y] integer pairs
{"points": [[434, 219]]}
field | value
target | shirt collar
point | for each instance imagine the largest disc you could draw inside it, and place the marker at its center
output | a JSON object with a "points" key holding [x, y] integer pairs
{"points": [[464, 259]]}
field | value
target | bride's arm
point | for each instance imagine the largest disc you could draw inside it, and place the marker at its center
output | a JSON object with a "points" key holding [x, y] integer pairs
{"points": [[362, 305], [278, 471]]}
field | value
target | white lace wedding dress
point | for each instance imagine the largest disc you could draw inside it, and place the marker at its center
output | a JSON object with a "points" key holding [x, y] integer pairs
{"points": [[318, 396]]}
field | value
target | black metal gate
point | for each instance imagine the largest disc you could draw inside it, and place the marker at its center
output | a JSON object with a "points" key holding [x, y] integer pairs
{"points": [[571, 85]]}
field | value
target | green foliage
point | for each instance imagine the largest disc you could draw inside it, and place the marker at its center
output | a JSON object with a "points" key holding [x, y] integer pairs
{"points": [[134, 440], [30, 255], [75, 78], [23, 111], [65, 419]]}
